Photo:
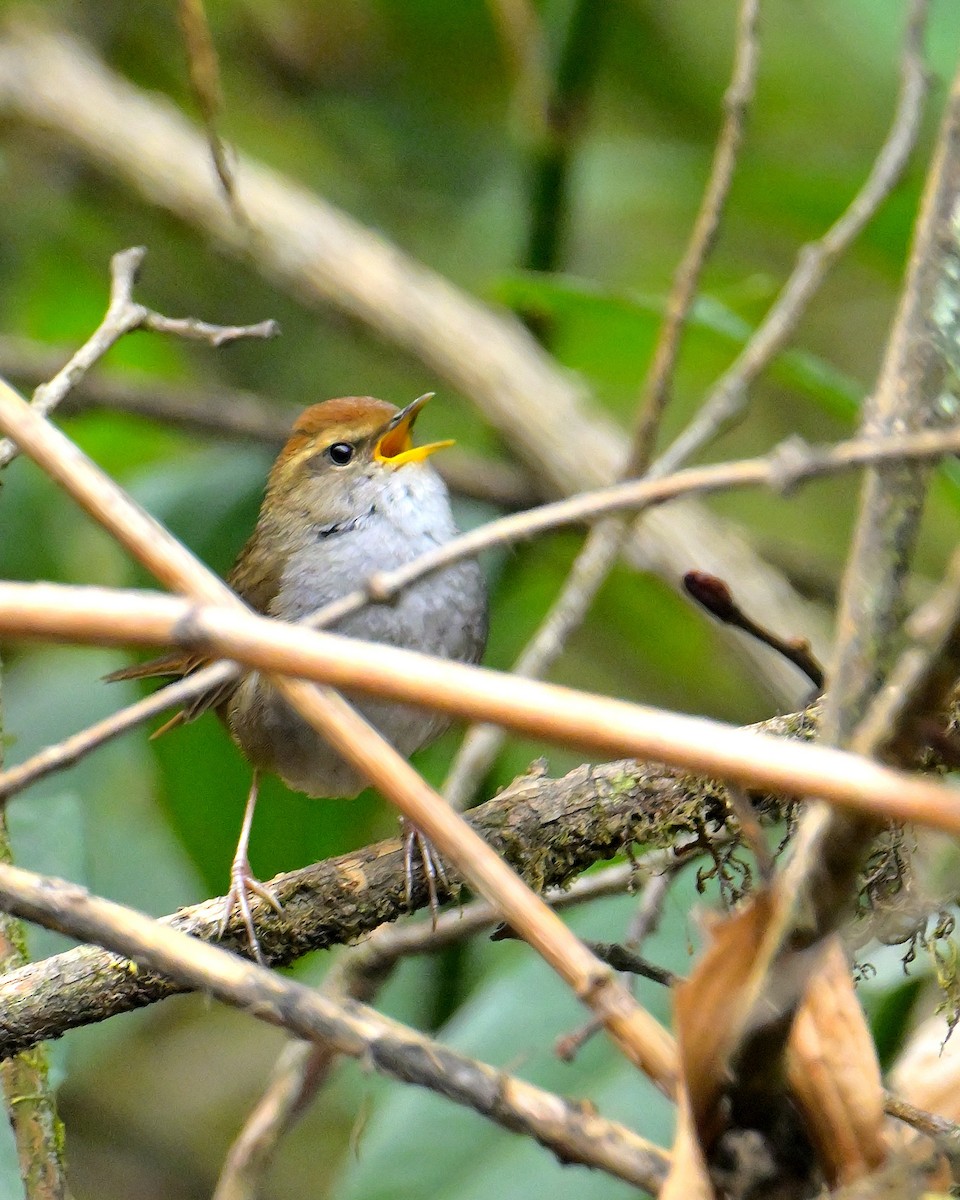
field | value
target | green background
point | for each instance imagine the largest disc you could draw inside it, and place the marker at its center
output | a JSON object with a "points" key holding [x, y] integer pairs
{"points": [[403, 112]]}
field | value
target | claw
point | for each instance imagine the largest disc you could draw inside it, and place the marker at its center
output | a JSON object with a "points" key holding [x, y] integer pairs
{"points": [[433, 869], [244, 884]]}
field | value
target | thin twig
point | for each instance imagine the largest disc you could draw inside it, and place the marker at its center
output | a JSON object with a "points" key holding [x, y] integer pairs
{"points": [[643, 924], [813, 894], [816, 259], [360, 974], [622, 958], [596, 559], [571, 1132], [715, 596], [550, 830], [123, 315], [642, 1039], [204, 70], [103, 616], [925, 1122], [826, 852], [328, 260], [686, 281], [785, 468], [233, 413]]}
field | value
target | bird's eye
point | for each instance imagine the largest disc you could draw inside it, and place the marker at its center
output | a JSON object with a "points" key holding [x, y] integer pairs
{"points": [[340, 453]]}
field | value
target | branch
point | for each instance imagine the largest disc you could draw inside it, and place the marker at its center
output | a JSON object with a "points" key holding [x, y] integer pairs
{"points": [[817, 886], [816, 259], [549, 830], [642, 1039], [783, 937], [123, 316], [233, 413], [360, 974], [605, 543], [575, 719], [786, 467], [325, 259], [659, 381], [572, 1132]]}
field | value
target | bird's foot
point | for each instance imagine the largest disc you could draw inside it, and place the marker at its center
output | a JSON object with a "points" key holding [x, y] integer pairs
{"points": [[244, 886], [416, 843]]}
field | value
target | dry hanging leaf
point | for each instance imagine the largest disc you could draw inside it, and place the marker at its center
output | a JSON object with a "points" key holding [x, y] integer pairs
{"points": [[834, 1075], [730, 1015]]}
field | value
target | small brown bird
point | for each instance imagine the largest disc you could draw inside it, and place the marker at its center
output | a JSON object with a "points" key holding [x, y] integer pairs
{"points": [[349, 495]]}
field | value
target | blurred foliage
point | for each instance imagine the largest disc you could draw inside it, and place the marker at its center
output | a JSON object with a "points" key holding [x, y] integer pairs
{"points": [[405, 112]]}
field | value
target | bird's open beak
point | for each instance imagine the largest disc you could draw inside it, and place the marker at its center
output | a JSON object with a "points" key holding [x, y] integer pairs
{"points": [[395, 445]]}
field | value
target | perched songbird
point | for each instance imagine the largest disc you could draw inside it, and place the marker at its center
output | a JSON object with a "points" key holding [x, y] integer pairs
{"points": [[349, 495]]}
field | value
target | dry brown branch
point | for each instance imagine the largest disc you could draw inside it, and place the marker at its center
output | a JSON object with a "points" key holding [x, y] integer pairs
{"points": [[643, 923], [817, 884], [325, 258], [360, 974], [591, 722], [706, 226], [784, 468], [816, 259], [574, 1133], [634, 1031], [605, 543], [205, 85], [123, 315], [547, 829], [783, 961]]}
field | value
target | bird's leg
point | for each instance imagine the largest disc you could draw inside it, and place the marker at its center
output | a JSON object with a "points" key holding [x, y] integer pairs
{"points": [[433, 869], [243, 883]]}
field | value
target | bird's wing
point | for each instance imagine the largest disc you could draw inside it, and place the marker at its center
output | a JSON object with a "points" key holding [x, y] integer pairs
{"points": [[252, 586]]}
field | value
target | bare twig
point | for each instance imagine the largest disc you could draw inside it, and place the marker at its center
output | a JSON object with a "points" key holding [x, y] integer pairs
{"points": [[122, 316], [714, 595], [547, 829], [360, 973], [645, 1042], [225, 412], [643, 923], [232, 413], [571, 1132], [816, 259], [326, 259], [622, 958], [736, 102], [784, 468], [205, 84], [931, 1124], [828, 849], [605, 543], [103, 616], [813, 894]]}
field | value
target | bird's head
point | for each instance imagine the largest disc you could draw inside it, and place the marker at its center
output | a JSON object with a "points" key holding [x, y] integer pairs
{"points": [[343, 454]]}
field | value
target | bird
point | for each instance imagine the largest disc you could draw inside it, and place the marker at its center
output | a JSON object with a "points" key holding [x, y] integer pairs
{"points": [[349, 494]]}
